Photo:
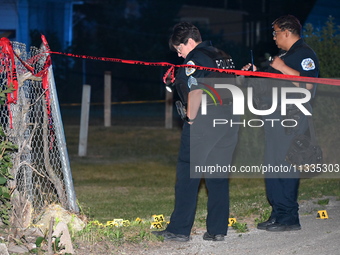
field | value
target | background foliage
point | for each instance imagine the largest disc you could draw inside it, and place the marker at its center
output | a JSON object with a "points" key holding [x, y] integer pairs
{"points": [[6, 150], [326, 43]]}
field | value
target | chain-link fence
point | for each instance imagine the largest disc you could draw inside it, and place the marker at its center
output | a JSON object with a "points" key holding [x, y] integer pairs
{"points": [[31, 120]]}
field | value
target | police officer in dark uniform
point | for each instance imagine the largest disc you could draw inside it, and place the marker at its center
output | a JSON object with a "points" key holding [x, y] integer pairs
{"points": [[200, 143], [295, 58]]}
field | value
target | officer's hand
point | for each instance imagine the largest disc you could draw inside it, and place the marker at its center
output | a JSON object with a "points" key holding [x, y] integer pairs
{"points": [[249, 67]]}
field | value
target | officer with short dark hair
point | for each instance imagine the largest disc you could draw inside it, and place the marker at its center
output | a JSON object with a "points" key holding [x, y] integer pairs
{"points": [[296, 58], [201, 144]]}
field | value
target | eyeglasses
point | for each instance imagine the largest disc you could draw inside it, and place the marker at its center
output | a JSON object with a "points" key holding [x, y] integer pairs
{"points": [[178, 48], [276, 31]]}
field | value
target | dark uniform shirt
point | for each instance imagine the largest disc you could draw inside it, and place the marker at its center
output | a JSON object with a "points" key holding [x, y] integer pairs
{"points": [[301, 58], [202, 55]]}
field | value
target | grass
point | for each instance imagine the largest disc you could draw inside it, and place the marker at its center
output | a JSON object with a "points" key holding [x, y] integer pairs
{"points": [[130, 172]]}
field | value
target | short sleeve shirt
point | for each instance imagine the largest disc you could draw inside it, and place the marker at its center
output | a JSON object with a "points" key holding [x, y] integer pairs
{"points": [[302, 58]]}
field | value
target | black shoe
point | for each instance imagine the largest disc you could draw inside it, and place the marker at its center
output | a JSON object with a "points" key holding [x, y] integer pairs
{"points": [[264, 225], [168, 236], [277, 227], [209, 237]]}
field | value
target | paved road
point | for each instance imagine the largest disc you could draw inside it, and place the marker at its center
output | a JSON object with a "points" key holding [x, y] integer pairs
{"points": [[317, 237]]}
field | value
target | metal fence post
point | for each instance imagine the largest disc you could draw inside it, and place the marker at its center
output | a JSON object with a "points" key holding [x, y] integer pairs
{"points": [[65, 162]]}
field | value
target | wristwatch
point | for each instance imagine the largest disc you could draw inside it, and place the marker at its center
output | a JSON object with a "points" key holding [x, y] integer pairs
{"points": [[188, 120]]}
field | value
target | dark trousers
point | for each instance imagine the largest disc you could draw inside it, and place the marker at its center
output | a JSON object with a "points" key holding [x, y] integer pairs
{"points": [[282, 187], [186, 188]]}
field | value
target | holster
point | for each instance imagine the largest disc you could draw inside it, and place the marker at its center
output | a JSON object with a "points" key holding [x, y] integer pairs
{"points": [[182, 112], [260, 104]]}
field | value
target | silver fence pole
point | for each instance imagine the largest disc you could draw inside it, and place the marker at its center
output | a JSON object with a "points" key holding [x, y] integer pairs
{"points": [[60, 134]]}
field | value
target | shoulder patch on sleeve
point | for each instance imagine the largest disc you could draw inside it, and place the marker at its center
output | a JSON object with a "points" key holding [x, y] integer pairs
{"points": [[192, 81], [189, 70], [308, 64]]}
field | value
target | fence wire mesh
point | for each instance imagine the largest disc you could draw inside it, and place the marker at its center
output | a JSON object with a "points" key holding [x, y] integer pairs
{"points": [[32, 123]]}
